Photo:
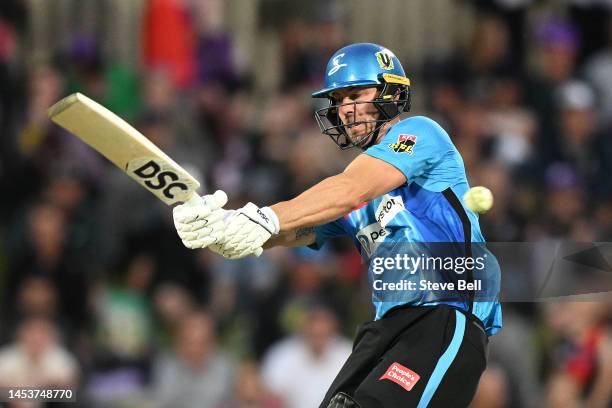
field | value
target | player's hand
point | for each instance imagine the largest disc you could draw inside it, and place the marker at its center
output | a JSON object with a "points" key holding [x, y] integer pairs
{"points": [[199, 221], [232, 254], [246, 231]]}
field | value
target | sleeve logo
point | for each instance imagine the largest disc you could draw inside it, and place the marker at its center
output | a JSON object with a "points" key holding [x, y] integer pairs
{"points": [[405, 144]]}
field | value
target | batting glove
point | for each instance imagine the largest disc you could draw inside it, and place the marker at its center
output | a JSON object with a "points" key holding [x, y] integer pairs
{"points": [[246, 231], [199, 221]]}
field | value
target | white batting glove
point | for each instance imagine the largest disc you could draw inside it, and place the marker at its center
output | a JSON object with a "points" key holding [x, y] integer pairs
{"points": [[199, 221], [246, 230]]}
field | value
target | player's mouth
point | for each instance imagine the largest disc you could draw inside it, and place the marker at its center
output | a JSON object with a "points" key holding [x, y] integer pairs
{"points": [[355, 126], [359, 137], [358, 130]]}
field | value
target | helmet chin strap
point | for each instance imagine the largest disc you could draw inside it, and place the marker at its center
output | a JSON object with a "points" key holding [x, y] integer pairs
{"points": [[373, 137]]}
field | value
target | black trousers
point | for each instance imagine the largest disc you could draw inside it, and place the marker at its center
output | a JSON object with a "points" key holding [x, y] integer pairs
{"points": [[429, 356]]}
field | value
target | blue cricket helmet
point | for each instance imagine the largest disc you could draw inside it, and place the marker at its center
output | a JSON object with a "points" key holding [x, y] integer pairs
{"points": [[361, 64]]}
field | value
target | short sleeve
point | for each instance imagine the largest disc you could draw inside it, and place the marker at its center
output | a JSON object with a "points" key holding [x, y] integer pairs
{"points": [[414, 146], [326, 231]]}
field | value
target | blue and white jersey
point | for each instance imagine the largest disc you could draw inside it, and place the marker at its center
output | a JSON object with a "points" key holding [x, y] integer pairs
{"points": [[426, 209]]}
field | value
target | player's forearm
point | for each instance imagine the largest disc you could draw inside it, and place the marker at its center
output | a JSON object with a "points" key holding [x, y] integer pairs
{"points": [[324, 202], [296, 238]]}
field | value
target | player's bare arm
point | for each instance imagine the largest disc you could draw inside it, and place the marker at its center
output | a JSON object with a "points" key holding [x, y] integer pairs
{"points": [[294, 238], [364, 179]]}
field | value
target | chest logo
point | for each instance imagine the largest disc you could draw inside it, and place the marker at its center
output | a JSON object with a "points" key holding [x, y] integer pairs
{"points": [[388, 208], [371, 237]]}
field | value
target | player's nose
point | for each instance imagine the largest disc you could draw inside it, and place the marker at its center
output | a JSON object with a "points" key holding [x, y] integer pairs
{"points": [[347, 109]]}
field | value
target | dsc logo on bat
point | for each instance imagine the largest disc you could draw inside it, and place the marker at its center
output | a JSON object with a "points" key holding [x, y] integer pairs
{"points": [[159, 177]]}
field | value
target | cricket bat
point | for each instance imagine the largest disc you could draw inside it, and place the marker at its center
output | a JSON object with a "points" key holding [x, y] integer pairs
{"points": [[126, 147]]}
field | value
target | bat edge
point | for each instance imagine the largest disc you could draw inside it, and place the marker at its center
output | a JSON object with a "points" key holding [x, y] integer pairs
{"points": [[63, 104]]}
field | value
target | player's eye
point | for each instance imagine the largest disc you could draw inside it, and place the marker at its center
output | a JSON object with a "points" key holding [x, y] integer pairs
{"points": [[359, 95], [346, 97], [335, 99]]}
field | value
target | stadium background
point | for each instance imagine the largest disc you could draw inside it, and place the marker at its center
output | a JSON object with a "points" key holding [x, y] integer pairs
{"points": [[96, 290]]}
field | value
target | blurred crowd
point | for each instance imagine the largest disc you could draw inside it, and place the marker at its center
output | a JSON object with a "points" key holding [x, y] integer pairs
{"points": [[98, 294]]}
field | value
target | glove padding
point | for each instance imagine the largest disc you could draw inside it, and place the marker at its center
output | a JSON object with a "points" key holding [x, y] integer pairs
{"points": [[199, 221], [246, 230]]}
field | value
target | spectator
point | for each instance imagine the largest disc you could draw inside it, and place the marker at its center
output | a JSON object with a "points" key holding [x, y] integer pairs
{"points": [[36, 296], [36, 359], [250, 392], [196, 373], [171, 303], [124, 327], [598, 71], [513, 125], [168, 40], [556, 46], [580, 145], [492, 390], [43, 251], [583, 374], [300, 368]]}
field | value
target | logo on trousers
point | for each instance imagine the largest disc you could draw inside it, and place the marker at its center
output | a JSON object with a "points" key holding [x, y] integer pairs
{"points": [[401, 375]]}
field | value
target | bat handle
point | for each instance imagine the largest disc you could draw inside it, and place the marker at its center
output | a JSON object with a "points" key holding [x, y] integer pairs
{"points": [[191, 199], [219, 199]]}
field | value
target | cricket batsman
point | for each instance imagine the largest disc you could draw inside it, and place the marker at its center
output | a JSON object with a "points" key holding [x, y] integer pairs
{"points": [[403, 190]]}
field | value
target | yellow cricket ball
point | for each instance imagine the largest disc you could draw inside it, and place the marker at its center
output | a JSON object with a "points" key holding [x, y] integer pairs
{"points": [[478, 199]]}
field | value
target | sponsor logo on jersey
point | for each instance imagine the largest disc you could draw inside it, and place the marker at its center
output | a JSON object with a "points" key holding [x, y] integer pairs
{"points": [[401, 375], [388, 208], [385, 59], [371, 236], [365, 244], [405, 144]]}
